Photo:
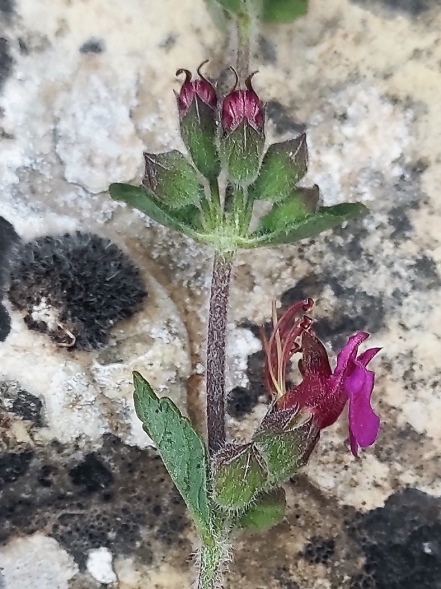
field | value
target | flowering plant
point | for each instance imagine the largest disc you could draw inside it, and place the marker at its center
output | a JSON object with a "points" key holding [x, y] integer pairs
{"points": [[210, 195]]}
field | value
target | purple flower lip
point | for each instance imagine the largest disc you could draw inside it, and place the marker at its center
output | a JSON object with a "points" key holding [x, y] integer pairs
{"points": [[242, 106], [191, 89], [323, 392]]}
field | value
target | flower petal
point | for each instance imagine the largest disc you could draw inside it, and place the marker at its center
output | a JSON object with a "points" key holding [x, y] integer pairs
{"points": [[367, 356], [315, 357], [353, 444], [349, 352], [364, 423]]}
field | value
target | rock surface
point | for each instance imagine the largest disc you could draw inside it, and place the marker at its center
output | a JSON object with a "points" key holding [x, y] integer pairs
{"points": [[84, 87]]}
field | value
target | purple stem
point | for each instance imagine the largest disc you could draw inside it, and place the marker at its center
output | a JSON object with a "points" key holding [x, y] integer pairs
{"points": [[216, 342]]}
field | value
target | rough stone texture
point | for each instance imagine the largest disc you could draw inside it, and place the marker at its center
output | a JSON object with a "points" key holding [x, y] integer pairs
{"points": [[84, 87]]}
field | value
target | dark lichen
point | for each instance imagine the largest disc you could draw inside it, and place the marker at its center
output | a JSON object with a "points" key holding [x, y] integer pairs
{"points": [[84, 282]]}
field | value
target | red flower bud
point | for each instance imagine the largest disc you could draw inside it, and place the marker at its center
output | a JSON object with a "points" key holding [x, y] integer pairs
{"points": [[242, 105], [200, 88]]}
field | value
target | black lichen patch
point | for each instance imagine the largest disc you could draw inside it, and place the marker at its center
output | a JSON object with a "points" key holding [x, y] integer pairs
{"points": [[241, 401], [92, 46], [282, 121], [91, 474], [5, 323], [13, 466], [8, 238], [14, 399], [319, 550], [412, 7], [401, 543], [119, 496], [6, 61], [75, 287]]}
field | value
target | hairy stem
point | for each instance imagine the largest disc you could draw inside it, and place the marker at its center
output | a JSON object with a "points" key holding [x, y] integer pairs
{"points": [[216, 341], [243, 27], [210, 566]]}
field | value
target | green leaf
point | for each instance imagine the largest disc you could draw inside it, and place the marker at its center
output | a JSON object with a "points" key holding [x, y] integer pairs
{"points": [[274, 230], [267, 511], [283, 11], [139, 198], [180, 447]]}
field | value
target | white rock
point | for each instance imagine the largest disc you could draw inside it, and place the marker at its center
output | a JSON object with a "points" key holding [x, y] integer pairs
{"points": [[99, 565], [97, 141], [36, 562]]}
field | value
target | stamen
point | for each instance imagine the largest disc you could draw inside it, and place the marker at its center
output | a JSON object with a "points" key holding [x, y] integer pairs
{"points": [[236, 76], [199, 70], [186, 72], [283, 344]]}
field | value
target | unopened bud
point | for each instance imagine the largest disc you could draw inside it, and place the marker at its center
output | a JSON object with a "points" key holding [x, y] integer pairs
{"points": [[197, 102], [243, 137]]}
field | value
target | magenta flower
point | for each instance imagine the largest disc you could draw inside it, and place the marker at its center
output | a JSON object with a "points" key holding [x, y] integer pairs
{"points": [[322, 391], [200, 88], [242, 106]]}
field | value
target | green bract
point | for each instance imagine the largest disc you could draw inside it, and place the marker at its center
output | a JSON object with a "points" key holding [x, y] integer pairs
{"points": [[172, 179], [287, 222], [285, 439], [282, 167], [140, 198], [216, 209], [277, 227], [267, 510], [238, 475]]}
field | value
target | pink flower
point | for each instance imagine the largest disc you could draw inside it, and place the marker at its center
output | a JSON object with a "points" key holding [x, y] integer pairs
{"points": [[242, 106], [322, 391], [201, 89]]}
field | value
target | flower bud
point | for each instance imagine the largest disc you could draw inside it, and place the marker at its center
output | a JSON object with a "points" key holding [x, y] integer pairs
{"points": [[286, 439], [238, 475], [171, 179], [197, 102], [243, 137], [283, 165]]}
